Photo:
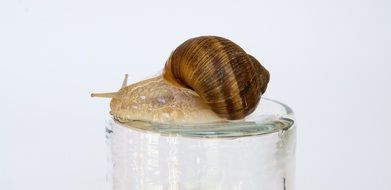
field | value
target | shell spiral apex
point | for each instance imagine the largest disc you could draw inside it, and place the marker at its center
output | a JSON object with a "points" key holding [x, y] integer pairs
{"points": [[228, 79]]}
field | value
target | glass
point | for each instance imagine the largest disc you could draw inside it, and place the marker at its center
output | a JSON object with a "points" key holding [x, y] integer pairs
{"points": [[256, 153]]}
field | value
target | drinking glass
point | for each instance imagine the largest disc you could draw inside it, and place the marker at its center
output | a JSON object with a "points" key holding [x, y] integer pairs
{"points": [[255, 153]]}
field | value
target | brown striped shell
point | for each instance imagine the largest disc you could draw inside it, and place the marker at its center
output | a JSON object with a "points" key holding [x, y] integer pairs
{"points": [[228, 79]]}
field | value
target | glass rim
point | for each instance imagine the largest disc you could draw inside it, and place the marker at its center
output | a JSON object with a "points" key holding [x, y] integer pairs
{"points": [[270, 116]]}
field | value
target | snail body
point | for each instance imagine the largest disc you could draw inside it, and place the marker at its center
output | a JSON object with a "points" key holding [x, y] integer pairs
{"points": [[205, 79], [155, 100]]}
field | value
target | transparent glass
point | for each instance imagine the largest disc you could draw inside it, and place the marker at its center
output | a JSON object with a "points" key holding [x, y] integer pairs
{"points": [[256, 153]]}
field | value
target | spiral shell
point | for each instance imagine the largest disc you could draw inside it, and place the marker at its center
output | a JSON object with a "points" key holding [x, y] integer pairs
{"points": [[228, 79]]}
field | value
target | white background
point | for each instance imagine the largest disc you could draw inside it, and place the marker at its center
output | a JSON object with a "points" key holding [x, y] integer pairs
{"points": [[329, 60]]}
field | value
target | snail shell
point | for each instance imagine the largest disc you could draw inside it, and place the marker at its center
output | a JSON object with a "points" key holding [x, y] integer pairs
{"points": [[228, 79], [205, 79]]}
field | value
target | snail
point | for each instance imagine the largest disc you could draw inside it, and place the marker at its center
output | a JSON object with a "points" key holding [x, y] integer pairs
{"points": [[205, 79]]}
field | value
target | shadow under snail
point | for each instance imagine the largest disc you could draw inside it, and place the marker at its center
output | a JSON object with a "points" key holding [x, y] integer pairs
{"points": [[205, 79]]}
